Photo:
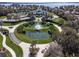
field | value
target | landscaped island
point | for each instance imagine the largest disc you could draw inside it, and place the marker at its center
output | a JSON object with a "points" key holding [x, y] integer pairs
{"points": [[39, 30]]}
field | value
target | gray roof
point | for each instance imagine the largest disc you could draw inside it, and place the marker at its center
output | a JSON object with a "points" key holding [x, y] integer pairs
{"points": [[39, 11]]}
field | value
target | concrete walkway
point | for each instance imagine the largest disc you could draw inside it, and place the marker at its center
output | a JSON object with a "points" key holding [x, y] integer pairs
{"points": [[42, 47], [59, 28], [23, 45], [25, 48], [5, 46], [14, 39], [14, 20]]}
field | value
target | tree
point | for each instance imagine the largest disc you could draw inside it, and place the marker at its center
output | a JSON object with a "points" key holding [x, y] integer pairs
{"points": [[69, 40], [53, 30], [32, 18], [73, 24], [33, 49], [54, 50], [20, 29]]}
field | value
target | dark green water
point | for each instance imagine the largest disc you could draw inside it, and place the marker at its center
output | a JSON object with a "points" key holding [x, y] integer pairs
{"points": [[37, 35]]}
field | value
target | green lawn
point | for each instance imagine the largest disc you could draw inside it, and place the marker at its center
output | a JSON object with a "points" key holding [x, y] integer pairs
{"points": [[24, 38], [33, 29], [59, 21], [1, 41], [9, 24], [49, 13], [7, 53], [2, 17], [17, 49]]}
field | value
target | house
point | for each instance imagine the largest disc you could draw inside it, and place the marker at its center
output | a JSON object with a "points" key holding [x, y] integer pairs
{"points": [[39, 11]]}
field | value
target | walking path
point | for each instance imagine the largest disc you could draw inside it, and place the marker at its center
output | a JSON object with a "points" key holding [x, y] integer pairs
{"points": [[14, 20], [25, 48], [23, 45], [60, 29], [5, 46]]}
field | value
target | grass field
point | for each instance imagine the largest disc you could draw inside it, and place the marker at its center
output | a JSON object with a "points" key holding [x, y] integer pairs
{"points": [[7, 53], [17, 49], [18, 33], [2, 17], [59, 21], [1, 41], [9, 24]]}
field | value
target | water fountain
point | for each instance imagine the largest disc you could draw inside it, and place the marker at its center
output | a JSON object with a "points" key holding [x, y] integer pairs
{"points": [[37, 25], [37, 33]]}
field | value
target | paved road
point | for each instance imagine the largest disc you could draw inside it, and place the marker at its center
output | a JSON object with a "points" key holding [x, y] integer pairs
{"points": [[14, 39], [14, 20], [11, 32], [7, 47], [23, 45]]}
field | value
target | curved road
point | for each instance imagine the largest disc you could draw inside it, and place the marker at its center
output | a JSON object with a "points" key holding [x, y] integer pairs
{"points": [[23, 45], [5, 46]]}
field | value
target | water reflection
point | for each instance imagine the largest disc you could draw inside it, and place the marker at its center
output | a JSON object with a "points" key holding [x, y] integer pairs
{"points": [[37, 35]]}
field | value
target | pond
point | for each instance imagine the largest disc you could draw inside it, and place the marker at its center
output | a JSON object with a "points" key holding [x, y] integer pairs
{"points": [[37, 35]]}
